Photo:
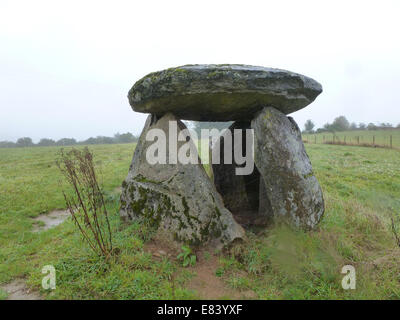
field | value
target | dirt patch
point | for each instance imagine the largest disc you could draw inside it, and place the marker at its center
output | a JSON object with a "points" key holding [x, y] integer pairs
{"points": [[17, 290], [50, 220], [390, 260], [208, 285], [160, 247], [205, 282]]}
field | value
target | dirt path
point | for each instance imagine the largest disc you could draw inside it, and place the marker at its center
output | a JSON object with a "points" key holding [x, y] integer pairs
{"points": [[204, 282], [17, 290], [208, 285], [50, 220]]}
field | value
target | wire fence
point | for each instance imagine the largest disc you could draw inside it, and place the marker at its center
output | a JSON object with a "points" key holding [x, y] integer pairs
{"points": [[391, 141]]}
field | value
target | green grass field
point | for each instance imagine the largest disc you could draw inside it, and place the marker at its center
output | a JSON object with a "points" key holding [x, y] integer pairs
{"points": [[382, 137], [361, 189]]}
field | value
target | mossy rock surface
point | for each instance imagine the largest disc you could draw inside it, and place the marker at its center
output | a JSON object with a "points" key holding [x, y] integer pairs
{"points": [[291, 186], [221, 92], [178, 200]]}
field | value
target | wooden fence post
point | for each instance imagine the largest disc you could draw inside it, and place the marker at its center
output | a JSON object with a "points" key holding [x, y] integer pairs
{"points": [[391, 142], [373, 140]]}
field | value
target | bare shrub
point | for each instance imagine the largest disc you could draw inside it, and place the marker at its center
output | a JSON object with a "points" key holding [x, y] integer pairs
{"points": [[86, 205]]}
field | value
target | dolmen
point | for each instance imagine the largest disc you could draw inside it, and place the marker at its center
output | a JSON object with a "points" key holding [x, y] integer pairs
{"points": [[167, 186]]}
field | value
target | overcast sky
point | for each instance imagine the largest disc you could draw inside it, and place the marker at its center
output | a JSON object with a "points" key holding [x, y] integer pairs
{"points": [[66, 66]]}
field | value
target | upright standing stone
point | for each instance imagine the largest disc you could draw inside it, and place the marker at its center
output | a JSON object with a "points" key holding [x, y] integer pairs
{"points": [[264, 207], [291, 186], [175, 198]]}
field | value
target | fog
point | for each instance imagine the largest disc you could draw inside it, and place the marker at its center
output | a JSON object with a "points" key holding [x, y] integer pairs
{"points": [[66, 66]]}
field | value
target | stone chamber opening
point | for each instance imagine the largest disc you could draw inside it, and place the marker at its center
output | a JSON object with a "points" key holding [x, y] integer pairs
{"points": [[243, 195]]}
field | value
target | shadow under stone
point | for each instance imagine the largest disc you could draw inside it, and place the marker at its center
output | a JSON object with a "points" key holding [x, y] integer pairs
{"points": [[244, 195]]}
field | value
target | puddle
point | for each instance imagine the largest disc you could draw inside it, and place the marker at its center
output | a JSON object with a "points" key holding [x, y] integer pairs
{"points": [[50, 220], [17, 290]]}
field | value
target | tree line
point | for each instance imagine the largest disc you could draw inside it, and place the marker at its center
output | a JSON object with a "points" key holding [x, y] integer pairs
{"points": [[45, 142], [342, 124], [339, 124]]}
